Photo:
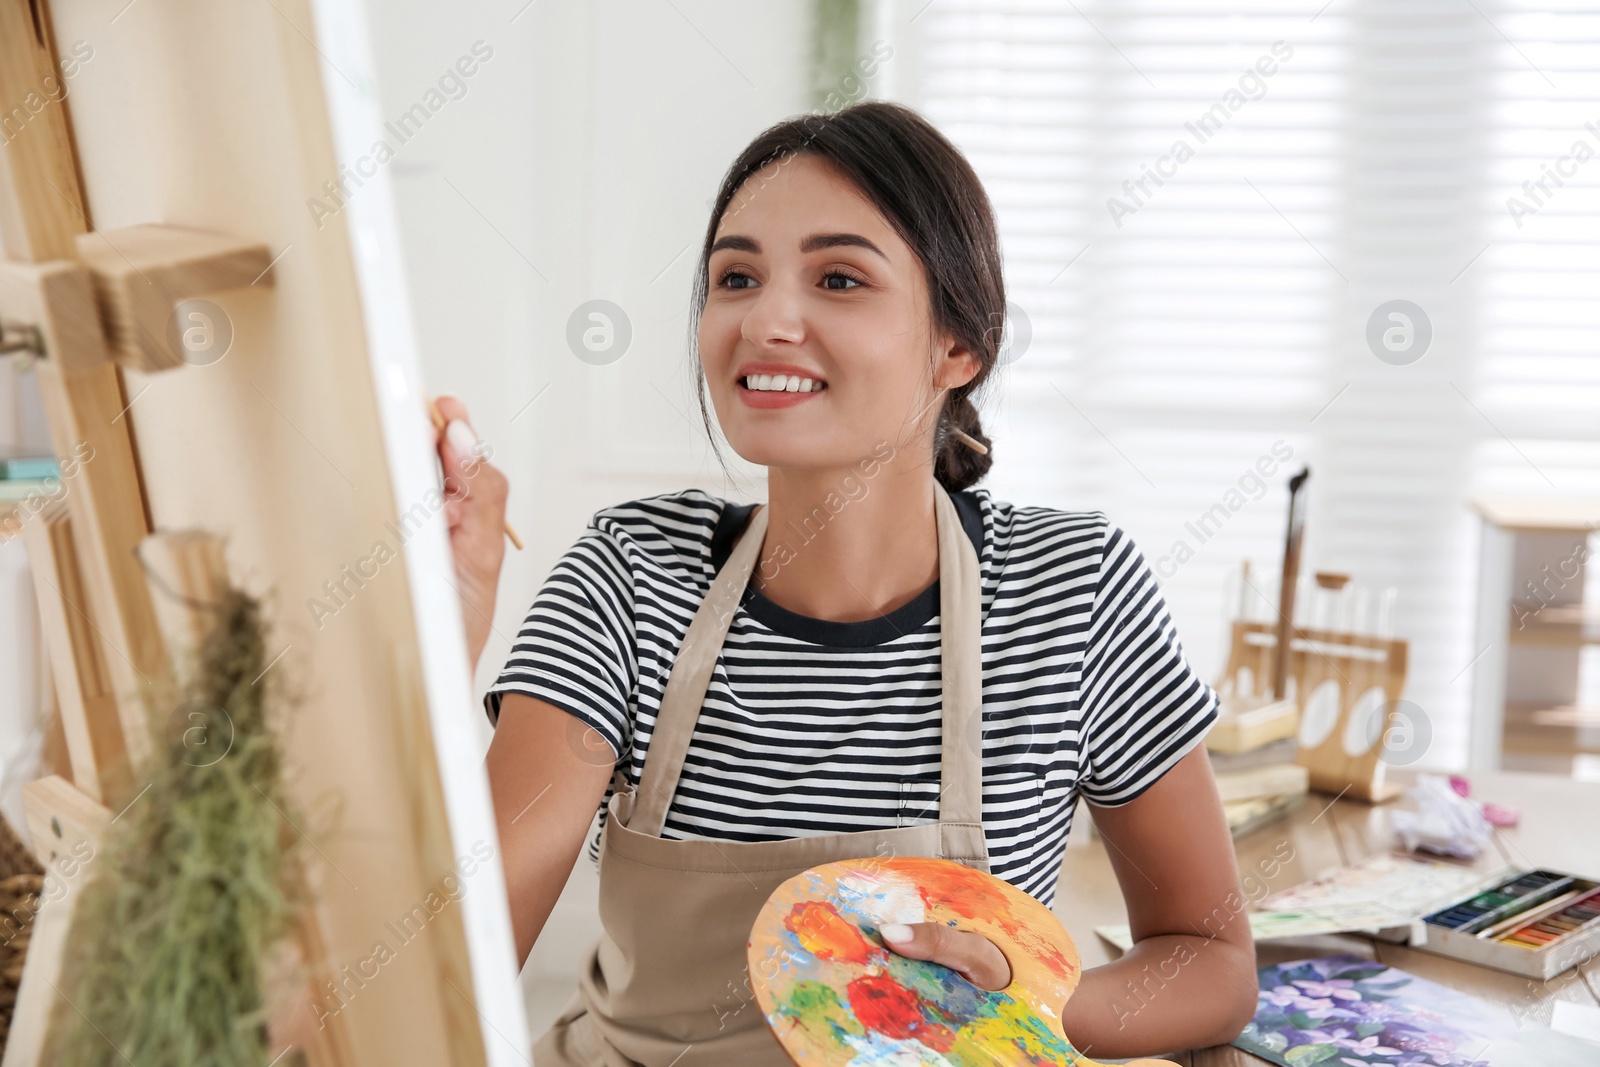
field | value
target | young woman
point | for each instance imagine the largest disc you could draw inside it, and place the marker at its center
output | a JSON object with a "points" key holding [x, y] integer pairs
{"points": [[879, 660]]}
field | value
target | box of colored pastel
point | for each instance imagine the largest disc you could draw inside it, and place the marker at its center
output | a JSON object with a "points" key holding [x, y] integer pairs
{"points": [[1538, 923]]}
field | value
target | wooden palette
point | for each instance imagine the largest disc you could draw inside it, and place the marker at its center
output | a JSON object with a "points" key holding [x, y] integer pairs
{"points": [[835, 995]]}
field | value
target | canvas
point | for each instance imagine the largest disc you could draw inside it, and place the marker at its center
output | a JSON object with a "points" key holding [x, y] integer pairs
{"points": [[1346, 1011]]}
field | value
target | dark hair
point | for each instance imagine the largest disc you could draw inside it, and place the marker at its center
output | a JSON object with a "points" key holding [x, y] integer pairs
{"points": [[930, 195]]}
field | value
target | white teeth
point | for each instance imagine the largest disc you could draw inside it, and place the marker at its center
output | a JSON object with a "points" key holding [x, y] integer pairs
{"points": [[782, 383]]}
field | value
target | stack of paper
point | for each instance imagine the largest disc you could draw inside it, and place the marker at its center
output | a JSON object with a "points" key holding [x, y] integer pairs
{"points": [[1252, 749], [1248, 723], [1383, 892]]}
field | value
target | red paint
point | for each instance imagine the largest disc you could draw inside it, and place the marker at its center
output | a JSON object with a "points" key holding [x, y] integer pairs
{"points": [[962, 890], [1040, 949], [884, 1005], [967, 893], [937, 1037], [826, 934]]}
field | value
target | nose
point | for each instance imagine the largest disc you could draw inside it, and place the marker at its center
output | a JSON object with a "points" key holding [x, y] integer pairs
{"points": [[776, 315]]}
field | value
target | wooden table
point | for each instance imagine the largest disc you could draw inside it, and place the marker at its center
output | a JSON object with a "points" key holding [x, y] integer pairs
{"points": [[1558, 830]]}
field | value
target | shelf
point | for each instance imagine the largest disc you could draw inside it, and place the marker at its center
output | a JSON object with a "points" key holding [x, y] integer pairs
{"points": [[1557, 624], [1571, 716], [1543, 730], [1551, 514]]}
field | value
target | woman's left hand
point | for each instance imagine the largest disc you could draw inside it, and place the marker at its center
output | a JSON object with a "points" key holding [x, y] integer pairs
{"points": [[973, 956]]}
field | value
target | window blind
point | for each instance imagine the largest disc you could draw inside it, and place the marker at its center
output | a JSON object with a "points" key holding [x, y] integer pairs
{"points": [[1203, 207]]}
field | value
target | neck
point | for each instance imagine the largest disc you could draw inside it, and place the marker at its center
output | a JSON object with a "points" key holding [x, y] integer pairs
{"points": [[846, 546]]}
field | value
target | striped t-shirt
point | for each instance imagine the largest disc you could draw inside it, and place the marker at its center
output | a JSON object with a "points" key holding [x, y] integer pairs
{"points": [[812, 726]]}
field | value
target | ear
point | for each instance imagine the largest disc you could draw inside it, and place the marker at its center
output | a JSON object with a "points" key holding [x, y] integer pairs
{"points": [[956, 365]]}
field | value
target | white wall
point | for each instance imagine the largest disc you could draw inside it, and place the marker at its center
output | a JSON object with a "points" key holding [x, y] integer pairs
{"points": [[578, 164]]}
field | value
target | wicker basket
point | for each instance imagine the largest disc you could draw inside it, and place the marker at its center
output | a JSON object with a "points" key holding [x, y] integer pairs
{"points": [[21, 883]]}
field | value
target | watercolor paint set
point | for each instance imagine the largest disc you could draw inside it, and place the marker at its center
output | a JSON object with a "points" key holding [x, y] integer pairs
{"points": [[1537, 923]]}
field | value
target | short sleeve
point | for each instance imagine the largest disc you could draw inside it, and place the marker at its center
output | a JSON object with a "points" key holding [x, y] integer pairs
{"points": [[575, 649], [1144, 706]]}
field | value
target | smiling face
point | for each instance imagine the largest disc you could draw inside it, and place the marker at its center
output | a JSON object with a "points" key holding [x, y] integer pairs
{"points": [[816, 337]]}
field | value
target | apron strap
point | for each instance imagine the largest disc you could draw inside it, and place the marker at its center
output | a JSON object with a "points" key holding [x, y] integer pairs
{"points": [[961, 651], [690, 677]]}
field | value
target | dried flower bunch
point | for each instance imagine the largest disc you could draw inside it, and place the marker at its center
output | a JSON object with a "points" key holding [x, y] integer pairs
{"points": [[194, 886]]}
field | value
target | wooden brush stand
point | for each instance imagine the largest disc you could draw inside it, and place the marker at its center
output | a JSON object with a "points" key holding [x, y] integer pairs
{"points": [[1347, 689]]}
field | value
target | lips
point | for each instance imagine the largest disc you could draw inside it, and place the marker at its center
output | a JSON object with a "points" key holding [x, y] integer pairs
{"points": [[778, 385]]}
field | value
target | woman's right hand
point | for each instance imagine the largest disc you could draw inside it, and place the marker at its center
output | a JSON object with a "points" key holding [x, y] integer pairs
{"points": [[475, 507]]}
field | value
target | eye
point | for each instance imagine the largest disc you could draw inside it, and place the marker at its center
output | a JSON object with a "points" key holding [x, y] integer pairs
{"points": [[847, 276], [733, 272]]}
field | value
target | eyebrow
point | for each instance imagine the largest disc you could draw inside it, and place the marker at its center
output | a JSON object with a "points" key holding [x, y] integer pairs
{"points": [[812, 243]]}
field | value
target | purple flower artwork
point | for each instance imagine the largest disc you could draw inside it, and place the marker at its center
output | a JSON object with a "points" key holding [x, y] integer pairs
{"points": [[1346, 1011]]}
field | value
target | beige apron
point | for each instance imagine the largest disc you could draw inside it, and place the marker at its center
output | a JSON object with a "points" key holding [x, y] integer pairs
{"points": [[667, 983]]}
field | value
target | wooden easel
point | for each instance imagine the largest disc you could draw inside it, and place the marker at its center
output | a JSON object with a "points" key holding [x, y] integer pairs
{"points": [[91, 302], [301, 447]]}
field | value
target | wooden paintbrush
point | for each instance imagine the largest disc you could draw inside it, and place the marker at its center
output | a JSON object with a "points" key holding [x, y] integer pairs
{"points": [[438, 424], [1286, 586]]}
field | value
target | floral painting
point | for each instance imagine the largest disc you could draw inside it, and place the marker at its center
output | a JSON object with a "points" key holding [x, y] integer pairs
{"points": [[1346, 1011]]}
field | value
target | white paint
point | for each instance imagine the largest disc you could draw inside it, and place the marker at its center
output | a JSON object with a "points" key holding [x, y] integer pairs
{"points": [[883, 902]]}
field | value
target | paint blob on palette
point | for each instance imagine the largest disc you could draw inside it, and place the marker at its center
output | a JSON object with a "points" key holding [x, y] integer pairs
{"points": [[836, 995]]}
